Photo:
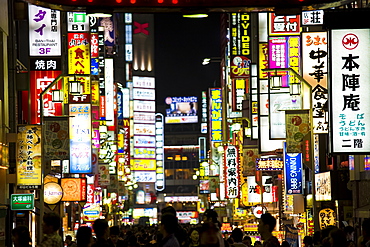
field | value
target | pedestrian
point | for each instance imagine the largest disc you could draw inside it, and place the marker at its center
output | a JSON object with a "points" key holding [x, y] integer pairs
{"points": [[101, 229], [194, 237], [114, 237], [337, 238], [237, 236], [84, 237], [308, 241], [211, 217], [68, 241], [180, 232], [257, 244], [209, 235], [350, 232], [50, 225], [168, 227], [285, 244], [265, 227], [247, 241], [21, 237]]}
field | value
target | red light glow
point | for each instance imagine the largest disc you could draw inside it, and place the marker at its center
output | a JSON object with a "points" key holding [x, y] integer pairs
{"points": [[119, 1], [132, 1], [175, 1], [160, 1]]}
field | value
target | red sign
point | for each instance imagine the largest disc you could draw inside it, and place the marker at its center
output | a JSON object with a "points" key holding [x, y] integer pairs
{"points": [[285, 24], [39, 80]]}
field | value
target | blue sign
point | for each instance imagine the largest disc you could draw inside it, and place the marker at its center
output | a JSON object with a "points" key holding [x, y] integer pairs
{"points": [[293, 173]]}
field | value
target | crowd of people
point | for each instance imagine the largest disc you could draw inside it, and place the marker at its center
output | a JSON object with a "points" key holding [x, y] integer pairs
{"points": [[169, 233]]}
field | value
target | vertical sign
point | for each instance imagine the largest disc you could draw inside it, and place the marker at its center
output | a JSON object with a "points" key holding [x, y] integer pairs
{"points": [[29, 157], [240, 29], [232, 177], [78, 53], [315, 71], [44, 31], [350, 84], [204, 121], [159, 146], [80, 138], [297, 123], [216, 114], [293, 176], [109, 91]]}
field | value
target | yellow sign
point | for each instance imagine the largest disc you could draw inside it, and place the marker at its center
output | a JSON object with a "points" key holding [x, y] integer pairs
{"points": [[78, 53], [29, 157], [143, 165]]}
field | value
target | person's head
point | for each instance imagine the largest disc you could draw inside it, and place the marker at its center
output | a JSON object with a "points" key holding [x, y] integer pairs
{"points": [[308, 241], [21, 236], [114, 233], [169, 210], [194, 235], [266, 225], [257, 244], [247, 241], [84, 236], [101, 228], [51, 223], [337, 238], [349, 231], [68, 239], [237, 235], [285, 244], [209, 235], [168, 224], [210, 216]]}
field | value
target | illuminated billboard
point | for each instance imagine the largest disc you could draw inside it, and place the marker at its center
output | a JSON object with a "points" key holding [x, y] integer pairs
{"points": [[181, 110]]}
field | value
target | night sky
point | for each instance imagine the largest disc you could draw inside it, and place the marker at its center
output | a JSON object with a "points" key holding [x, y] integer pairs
{"points": [[180, 46]]}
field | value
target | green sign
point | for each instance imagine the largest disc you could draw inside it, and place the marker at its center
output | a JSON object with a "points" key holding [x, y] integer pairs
{"points": [[22, 201]]}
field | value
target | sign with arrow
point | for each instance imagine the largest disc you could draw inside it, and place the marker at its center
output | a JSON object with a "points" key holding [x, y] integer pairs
{"points": [[22, 201]]}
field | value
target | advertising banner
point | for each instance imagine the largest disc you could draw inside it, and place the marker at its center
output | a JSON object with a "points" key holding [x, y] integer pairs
{"points": [[323, 186], [315, 72], [145, 177], [78, 53], [350, 84], [297, 125], [254, 190], [232, 177], [29, 159], [22, 201], [216, 114], [74, 189], [181, 110], [240, 41], [293, 176], [80, 138], [56, 139], [143, 165], [44, 31], [39, 81]]}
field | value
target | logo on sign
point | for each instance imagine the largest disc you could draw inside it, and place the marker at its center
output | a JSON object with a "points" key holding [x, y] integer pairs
{"points": [[350, 41]]}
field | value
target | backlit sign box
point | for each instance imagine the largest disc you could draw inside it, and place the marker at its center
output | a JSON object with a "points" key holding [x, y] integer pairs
{"points": [[22, 201], [293, 173], [181, 110], [44, 31], [269, 164], [349, 82], [80, 138], [323, 186], [216, 114]]}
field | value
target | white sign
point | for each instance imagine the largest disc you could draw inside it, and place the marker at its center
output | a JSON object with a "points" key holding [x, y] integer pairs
{"points": [[350, 86], [109, 91], [143, 82], [315, 72], [323, 186], [313, 17], [147, 106], [181, 199], [144, 177], [145, 94], [232, 179], [144, 141], [44, 31], [142, 117], [144, 129], [78, 22], [254, 192]]}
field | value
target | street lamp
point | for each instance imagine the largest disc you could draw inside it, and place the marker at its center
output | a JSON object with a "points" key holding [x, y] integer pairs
{"points": [[75, 87], [57, 96]]}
